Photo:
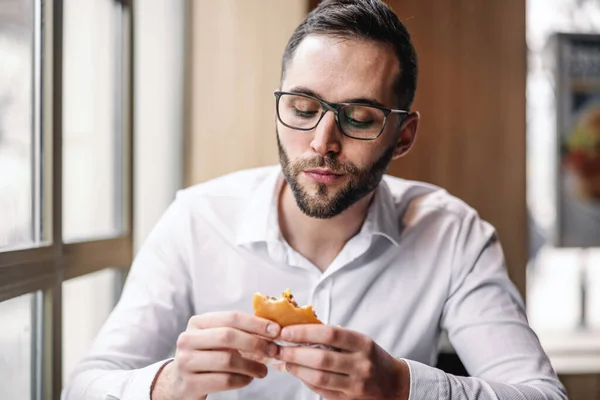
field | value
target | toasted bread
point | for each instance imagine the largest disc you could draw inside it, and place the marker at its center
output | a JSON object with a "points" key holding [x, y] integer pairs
{"points": [[284, 311]]}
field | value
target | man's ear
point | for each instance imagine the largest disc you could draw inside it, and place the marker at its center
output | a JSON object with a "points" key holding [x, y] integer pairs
{"points": [[408, 134]]}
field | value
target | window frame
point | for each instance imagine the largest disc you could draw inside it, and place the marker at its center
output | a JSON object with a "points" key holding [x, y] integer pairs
{"points": [[44, 269]]}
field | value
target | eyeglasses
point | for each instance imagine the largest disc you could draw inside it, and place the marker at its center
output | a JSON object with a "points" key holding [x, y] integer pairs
{"points": [[358, 121]]}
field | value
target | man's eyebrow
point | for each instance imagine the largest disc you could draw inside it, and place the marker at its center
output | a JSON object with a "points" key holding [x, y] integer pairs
{"points": [[361, 100], [305, 90], [365, 100]]}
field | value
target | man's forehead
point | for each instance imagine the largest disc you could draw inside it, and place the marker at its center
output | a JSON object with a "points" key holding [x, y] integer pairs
{"points": [[341, 68]]}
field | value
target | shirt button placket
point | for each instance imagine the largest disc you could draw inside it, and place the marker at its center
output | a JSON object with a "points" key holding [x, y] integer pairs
{"points": [[321, 301], [326, 299]]}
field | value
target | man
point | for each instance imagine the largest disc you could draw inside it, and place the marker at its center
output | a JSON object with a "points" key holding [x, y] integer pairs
{"points": [[388, 264]]}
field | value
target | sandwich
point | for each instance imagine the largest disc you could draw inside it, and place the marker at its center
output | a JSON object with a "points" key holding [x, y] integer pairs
{"points": [[284, 311]]}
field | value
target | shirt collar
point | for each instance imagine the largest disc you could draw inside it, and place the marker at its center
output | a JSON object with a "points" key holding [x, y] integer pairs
{"points": [[382, 218], [260, 221]]}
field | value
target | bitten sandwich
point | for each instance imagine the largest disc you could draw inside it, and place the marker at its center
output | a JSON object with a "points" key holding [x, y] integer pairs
{"points": [[284, 311]]}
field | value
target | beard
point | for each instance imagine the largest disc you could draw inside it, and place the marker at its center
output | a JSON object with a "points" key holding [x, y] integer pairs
{"points": [[325, 202]]}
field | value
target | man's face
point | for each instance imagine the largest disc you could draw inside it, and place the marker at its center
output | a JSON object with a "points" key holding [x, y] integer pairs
{"points": [[327, 171]]}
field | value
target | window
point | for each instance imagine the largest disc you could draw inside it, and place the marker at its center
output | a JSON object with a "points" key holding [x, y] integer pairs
{"points": [[66, 201], [563, 296], [17, 100], [93, 168], [97, 291], [17, 346]]}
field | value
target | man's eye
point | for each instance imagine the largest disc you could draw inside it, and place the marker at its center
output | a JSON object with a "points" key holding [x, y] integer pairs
{"points": [[358, 123], [302, 113]]}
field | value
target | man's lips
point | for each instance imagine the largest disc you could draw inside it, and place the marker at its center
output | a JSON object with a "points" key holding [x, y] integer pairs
{"points": [[322, 175]]}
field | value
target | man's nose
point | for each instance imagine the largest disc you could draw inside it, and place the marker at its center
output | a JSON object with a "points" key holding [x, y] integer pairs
{"points": [[327, 136]]}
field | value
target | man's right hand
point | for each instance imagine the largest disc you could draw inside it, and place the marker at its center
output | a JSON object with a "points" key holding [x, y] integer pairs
{"points": [[208, 359]]}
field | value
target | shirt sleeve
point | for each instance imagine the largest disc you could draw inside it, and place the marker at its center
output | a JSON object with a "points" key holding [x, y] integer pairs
{"points": [[485, 318], [140, 334]]}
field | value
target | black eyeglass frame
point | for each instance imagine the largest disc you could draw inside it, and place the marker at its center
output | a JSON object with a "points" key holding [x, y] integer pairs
{"points": [[335, 108]]}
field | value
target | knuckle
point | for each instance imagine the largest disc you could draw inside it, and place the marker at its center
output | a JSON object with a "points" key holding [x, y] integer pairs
{"points": [[184, 360], [258, 345], [255, 343], [229, 359], [183, 340], [261, 345], [323, 360], [331, 335], [369, 346], [322, 379], [194, 321], [225, 336], [232, 318]]}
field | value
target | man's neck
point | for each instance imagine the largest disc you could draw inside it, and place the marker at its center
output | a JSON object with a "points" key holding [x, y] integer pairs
{"points": [[319, 240]]}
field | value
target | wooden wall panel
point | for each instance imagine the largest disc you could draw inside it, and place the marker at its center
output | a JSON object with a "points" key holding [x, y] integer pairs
{"points": [[235, 56], [471, 96]]}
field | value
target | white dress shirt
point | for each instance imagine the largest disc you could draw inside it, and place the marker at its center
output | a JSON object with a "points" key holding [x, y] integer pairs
{"points": [[423, 262]]}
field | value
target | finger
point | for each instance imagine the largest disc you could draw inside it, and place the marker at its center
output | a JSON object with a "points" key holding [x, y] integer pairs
{"points": [[324, 393], [221, 361], [321, 379], [238, 320], [324, 360], [216, 382], [226, 338], [333, 336], [254, 357]]}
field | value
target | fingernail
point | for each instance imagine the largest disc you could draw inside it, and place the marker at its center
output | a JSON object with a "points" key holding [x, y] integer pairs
{"points": [[273, 329]]}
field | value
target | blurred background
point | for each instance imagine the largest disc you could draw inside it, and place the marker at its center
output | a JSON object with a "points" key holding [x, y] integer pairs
{"points": [[108, 107]]}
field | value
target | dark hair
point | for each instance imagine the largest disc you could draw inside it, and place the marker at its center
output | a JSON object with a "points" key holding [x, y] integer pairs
{"points": [[362, 19]]}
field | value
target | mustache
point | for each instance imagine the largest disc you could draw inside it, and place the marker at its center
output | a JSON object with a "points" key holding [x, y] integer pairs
{"points": [[325, 162]]}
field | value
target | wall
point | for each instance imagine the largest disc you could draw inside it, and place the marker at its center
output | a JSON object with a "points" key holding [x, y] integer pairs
{"points": [[471, 96], [159, 109], [236, 53]]}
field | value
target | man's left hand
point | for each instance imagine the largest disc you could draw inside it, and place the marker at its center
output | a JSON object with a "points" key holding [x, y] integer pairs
{"points": [[360, 370]]}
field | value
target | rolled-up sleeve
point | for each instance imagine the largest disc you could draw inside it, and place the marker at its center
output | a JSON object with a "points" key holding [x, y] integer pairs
{"points": [[140, 334], [484, 316]]}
